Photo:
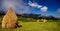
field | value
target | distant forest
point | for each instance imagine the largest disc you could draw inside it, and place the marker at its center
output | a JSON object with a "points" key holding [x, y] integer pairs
{"points": [[35, 16]]}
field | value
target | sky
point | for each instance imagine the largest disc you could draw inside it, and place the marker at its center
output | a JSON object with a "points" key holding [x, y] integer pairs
{"points": [[44, 7]]}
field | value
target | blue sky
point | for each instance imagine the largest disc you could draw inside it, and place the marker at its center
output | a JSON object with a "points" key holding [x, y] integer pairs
{"points": [[47, 7]]}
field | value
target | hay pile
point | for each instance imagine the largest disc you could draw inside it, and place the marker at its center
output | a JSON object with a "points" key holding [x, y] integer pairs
{"points": [[10, 19], [44, 20], [38, 20]]}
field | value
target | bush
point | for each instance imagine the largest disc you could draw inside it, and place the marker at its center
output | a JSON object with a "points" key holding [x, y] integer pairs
{"points": [[1, 17], [0, 20]]}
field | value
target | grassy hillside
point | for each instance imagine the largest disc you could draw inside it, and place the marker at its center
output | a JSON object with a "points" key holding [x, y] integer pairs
{"points": [[36, 26]]}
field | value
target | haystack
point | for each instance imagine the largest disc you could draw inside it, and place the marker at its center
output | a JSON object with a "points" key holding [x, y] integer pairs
{"points": [[44, 20], [38, 20], [10, 19]]}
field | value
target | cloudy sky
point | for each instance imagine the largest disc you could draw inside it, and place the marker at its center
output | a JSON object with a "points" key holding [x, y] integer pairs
{"points": [[45, 7]]}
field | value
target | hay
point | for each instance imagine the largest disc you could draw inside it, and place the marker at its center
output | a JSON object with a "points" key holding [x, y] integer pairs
{"points": [[44, 20], [10, 19]]}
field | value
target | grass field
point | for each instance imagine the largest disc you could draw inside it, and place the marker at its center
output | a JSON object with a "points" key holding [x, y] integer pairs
{"points": [[36, 26], [29, 24]]}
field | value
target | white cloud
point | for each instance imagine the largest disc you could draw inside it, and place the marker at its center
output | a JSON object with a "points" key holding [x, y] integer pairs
{"points": [[39, 6], [44, 9], [17, 5], [34, 4], [58, 10]]}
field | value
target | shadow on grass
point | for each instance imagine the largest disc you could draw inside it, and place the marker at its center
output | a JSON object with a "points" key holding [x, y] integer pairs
{"points": [[18, 26]]}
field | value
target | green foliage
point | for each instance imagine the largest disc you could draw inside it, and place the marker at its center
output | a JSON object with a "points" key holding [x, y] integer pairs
{"points": [[1, 17], [24, 19]]}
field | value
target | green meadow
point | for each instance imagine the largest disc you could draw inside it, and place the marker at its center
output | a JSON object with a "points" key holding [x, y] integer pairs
{"points": [[30, 24]]}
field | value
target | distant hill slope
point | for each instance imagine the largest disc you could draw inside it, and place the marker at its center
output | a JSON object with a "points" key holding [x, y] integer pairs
{"points": [[35, 16], [39, 16]]}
